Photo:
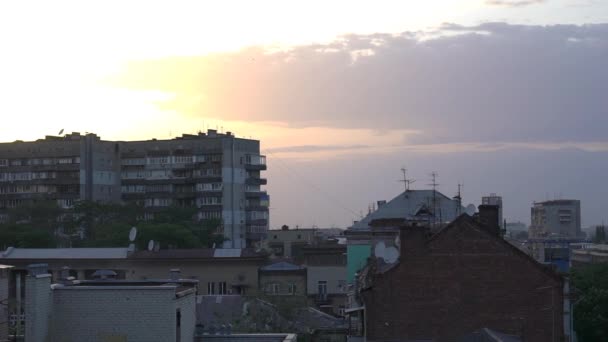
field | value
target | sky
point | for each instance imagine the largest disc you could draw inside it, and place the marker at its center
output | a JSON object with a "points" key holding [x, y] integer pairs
{"points": [[504, 96]]}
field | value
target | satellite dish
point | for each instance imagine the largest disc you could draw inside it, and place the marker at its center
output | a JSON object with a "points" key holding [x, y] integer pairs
{"points": [[151, 245], [132, 234], [60, 132], [471, 210]]}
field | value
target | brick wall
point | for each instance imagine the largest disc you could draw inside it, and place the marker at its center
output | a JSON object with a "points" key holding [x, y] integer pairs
{"points": [[463, 280]]}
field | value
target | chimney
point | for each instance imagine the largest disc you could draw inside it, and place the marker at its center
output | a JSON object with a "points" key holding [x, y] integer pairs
{"points": [[488, 217], [380, 203], [175, 274], [412, 240]]}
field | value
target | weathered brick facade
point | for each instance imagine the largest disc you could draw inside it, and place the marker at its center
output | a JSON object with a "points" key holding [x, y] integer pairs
{"points": [[461, 279]]}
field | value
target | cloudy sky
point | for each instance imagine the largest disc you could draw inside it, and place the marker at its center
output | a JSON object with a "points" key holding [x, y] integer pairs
{"points": [[505, 96]]}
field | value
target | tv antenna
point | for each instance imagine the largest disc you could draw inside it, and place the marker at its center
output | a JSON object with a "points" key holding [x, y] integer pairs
{"points": [[434, 184], [406, 182]]}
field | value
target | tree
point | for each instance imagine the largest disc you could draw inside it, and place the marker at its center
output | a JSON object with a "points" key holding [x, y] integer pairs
{"points": [[591, 313]]}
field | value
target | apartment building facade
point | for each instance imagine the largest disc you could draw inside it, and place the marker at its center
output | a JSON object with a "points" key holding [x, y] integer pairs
{"points": [[217, 173], [556, 218], [62, 169]]}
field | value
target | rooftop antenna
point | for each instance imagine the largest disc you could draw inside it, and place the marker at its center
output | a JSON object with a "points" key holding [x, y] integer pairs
{"points": [[406, 182], [434, 184], [459, 198]]}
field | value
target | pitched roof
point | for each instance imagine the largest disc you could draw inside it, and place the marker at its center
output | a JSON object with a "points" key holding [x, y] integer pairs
{"points": [[408, 205], [64, 253], [282, 266], [470, 222]]}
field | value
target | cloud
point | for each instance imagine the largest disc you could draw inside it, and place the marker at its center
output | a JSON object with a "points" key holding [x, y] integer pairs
{"points": [[485, 83], [513, 3], [315, 148]]}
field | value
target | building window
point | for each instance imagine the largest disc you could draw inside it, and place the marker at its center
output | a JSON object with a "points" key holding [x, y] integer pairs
{"points": [[211, 288], [291, 289], [222, 288], [322, 289], [273, 289]]}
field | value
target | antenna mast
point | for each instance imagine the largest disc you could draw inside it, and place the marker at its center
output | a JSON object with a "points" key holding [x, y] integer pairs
{"points": [[406, 182], [434, 184]]}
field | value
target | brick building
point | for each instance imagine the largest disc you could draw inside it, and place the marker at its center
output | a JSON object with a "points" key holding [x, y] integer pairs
{"points": [[459, 280]]}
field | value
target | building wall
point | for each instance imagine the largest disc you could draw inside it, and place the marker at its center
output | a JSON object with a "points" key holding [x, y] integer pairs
{"points": [[4, 295], [38, 307], [283, 279], [117, 314], [461, 282], [334, 275], [187, 305], [357, 256]]}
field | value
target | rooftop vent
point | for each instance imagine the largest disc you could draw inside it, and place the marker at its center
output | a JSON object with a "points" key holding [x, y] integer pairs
{"points": [[175, 274]]}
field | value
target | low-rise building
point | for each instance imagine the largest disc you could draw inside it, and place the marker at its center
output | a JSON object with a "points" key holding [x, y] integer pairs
{"points": [[326, 276], [107, 309], [582, 254]]}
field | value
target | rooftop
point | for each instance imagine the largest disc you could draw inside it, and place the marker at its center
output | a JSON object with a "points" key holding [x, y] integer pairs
{"points": [[408, 204], [199, 253], [282, 266], [64, 253]]}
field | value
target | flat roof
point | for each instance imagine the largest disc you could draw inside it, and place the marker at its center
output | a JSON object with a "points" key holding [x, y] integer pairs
{"points": [[64, 253]]}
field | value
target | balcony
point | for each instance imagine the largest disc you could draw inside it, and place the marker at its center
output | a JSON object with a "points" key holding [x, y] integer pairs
{"points": [[255, 163], [256, 181], [255, 193]]}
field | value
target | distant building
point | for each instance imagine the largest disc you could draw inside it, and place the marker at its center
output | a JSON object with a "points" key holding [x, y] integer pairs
{"points": [[216, 173], [106, 309], [326, 276], [289, 242], [283, 279], [494, 199], [458, 281], [582, 254], [556, 218]]}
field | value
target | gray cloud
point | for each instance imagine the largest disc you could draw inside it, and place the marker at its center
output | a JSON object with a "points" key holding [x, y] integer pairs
{"points": [[485, 83], [513, 3]]}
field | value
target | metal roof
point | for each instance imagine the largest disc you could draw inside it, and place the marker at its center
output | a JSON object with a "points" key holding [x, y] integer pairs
{"points": [[64, 253], [408, 203]]}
